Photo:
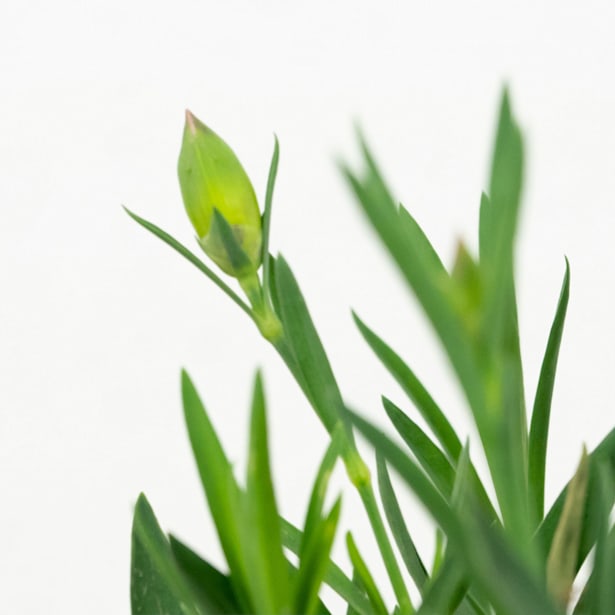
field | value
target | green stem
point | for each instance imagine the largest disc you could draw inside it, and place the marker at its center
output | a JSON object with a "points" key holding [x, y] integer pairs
{"points": [[366, 493]]}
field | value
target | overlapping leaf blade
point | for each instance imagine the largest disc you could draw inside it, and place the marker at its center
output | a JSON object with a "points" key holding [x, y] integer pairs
{"points": [[157, 586], [213, 588], [399, 529], [541, 413], [223, 494], [260, 526]]}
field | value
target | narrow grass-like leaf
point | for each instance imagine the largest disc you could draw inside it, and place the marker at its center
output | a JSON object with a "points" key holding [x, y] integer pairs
{"points": [[562, 560], [225, 239], [541, 413], [189, 256], [314, 561], [334, 576], [307, 348], [477, 542], [602, 597], [429, 409], [445, 592], [222, 492], [460, 489], [268, 569], [319, 490], [273, 171], [603, 453], [431, 458], [157, 587], [399, 529], [429, 280], [367, 580], [350, 609], [213, 588]]}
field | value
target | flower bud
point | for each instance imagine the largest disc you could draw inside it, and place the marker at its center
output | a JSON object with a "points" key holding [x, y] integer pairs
{"points": [[219, 200]]}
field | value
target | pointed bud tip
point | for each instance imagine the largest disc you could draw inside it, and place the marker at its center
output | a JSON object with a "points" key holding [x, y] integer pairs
{"points": [[191, 122]]}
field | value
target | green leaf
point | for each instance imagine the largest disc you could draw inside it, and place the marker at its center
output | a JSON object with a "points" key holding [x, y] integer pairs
{"points": [[539, 429], [188, 255], [213, 588], [221, 239], [475, 539], [334, 576], [157, 586], [268, 577], [319, 490], [273, 171], [431, 458], [603, 453], [307, 349], [315, 560], [222, 492], [602, 594], [367, 580], [396, 521], [429, 409], [423, 271], [445, 592], [562, 560]]}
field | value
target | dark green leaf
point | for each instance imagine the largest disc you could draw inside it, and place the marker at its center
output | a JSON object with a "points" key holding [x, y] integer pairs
{"points": [[307, 349], [319, 490], [273, 170], [314, 561], [430, 411], [188, 255], [213, 588], [402, 537], [431, 458], [223, 494], [539, 429], [157, 586], [367, 580], [334, 576], [445, 592], [268, 569], [423, 271], [476, 541]]}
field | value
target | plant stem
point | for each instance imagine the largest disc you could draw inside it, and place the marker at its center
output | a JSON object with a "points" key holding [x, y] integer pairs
{"points": [[366, 492]]}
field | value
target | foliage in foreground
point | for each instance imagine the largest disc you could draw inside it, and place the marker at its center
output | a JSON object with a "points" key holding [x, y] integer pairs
{"points": [[509, 556]]}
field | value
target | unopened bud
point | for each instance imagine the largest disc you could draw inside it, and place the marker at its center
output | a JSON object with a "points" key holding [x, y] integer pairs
{"points": [[220, 200]]}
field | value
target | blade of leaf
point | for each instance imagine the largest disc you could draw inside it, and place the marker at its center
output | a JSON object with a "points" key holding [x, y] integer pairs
{"points": [[403, 540], [334, 576], [431, 458], [430, 411], [603, 453], [445, 592], [314, 561], [222, 492], [307, 348], [260, 529], [224, 237], [157, 586], [562, 560], [189, 256], [273, 171], [367, 580], [313, 516], [539, 427], [429, 281], [477, 542], [213, 588]]}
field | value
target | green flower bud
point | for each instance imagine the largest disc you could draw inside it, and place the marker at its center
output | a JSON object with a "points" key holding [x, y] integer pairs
{"points": [[220, 200]]}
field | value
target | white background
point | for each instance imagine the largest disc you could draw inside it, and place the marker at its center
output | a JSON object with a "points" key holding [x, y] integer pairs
{"points": [[97, 316]]}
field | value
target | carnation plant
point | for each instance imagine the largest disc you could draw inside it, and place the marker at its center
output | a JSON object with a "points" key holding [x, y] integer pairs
{"points": [[506, 554]]}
